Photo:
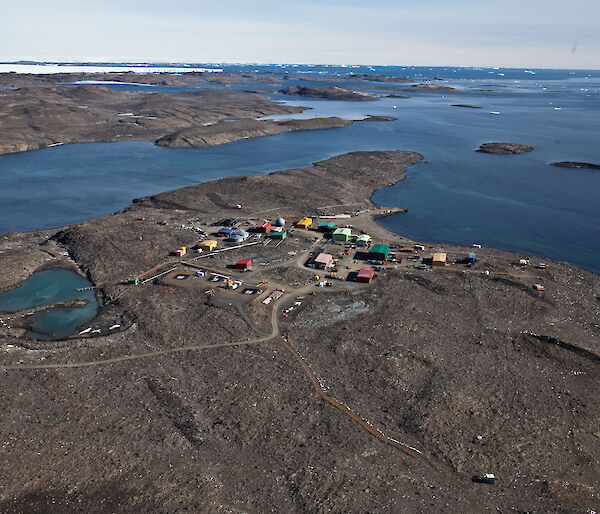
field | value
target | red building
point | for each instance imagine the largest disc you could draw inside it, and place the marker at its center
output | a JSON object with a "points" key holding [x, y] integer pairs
{"points": [[243, 264], [264, 228], [365, 275]]}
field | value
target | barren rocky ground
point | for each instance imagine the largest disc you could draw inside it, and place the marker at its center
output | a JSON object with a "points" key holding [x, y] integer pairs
{"points": [[206, 400], [38, 115]]}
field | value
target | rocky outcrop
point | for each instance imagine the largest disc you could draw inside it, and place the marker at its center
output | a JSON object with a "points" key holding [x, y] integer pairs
{"points": [[329, 93], [576, 165], [429, 88], [504, 148]]}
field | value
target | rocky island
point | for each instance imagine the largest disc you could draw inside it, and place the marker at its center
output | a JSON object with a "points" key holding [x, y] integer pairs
{"points": [[329, 93], [504, 148], [577, 165], [428, 87], [385, 393]]}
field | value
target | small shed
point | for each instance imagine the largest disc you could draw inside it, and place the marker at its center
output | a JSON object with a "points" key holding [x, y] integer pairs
{"points": [[327, 226], [282, 234], [439, 259], [365, 275], [264, 228], [342, 234], [363, 240], [304, 222], [379, 252], [323, 260], [243, 264], [472, 258], [209, 245]]}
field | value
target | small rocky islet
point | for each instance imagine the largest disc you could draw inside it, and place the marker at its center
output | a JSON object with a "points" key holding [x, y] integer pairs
{"points": [[504, 148]]}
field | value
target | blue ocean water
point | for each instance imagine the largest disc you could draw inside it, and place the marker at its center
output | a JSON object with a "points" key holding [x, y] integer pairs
{"points": [[456, 195]]}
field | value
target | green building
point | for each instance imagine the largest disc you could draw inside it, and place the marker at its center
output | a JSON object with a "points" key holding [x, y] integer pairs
{"points": [[342, 234], [278, 235], [327, 226], [379, 252]]}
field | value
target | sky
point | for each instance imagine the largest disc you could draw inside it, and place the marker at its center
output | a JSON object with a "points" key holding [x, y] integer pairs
{"points": [[507, 33]]}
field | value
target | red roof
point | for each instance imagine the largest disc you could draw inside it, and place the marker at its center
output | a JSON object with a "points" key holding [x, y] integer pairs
{"points": [[243, 263], [366, 273]]}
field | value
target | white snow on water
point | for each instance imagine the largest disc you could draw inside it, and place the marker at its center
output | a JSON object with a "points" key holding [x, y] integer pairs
{"points": [[55, 68]]}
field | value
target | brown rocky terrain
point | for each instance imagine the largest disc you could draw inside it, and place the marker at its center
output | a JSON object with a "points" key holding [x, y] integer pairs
{"points": [[227, 132], [40, 116], [504, 148], [329, 93], [209, 400]]}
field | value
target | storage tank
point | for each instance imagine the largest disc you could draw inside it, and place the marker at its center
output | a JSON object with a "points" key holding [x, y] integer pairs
{"points": [[235, 238], [279, 222], [243, 233]]}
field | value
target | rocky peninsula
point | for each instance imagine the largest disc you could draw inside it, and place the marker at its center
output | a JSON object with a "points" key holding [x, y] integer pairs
{"points": [[504, 148], [228, 132], [351, 396]]}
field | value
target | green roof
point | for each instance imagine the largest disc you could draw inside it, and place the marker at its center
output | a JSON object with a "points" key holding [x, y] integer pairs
{"points": [[329, 224], [346, 231], [384, 249], [364, 237]]}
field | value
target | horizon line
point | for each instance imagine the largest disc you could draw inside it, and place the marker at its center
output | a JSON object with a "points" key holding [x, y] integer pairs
{"points": [[251, 63]]}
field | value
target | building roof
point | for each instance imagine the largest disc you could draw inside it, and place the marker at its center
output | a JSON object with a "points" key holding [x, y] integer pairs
{"points": [[243, 262], [364, 237], [439, 257], [305, 221], [365, 273], [324, 258], [380, 248], [345, 231], [327, 224]]}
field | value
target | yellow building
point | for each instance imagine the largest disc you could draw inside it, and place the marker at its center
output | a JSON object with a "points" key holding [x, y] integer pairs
{"points": [[182, 251], [304, 222], [439, 259], [208, 246]]}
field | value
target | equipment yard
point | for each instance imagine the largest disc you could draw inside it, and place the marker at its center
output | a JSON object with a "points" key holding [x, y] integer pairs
{"points": [[296, 367]]}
